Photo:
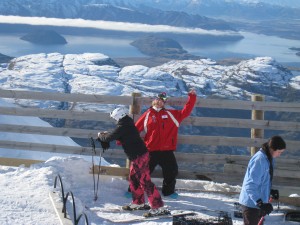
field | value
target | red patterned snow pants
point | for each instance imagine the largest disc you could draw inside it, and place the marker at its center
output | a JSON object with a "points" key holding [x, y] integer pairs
{"points": [[140, 182]]}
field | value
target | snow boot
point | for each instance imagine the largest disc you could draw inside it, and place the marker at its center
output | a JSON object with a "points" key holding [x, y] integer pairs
{"points": [[157, 212], [173, 196]]}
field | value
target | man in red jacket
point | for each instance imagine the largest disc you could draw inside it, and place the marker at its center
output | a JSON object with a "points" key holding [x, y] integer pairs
{"points": [[161, 129]]}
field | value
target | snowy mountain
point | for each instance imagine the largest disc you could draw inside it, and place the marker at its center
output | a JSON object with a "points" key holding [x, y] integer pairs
{"points": [[288, 3], [253, 9], [153, 11], [108, 11], [95, 73]]}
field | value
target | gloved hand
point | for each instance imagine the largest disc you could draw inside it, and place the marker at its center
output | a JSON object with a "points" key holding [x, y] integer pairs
{"points": [[274, 194], [102, 133], [105, 145], [266, 208]]}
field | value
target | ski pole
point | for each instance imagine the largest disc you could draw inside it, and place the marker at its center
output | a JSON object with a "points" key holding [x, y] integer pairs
{"points": [[99, 169], [261, 221], [93, 165]]}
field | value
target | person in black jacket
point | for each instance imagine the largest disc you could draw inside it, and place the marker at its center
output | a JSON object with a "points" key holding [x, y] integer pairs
{"points": [[139, 175]]}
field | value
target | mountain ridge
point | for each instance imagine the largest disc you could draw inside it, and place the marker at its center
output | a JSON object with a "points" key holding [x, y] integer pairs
{"points": [[53, 71], [253, 16]]}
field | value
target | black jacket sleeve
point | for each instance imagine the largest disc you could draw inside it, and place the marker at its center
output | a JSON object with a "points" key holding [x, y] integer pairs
{"points": [[114, 135]]}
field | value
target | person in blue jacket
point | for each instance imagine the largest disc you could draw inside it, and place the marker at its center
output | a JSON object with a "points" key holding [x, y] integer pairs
{"points": [[257, 185]]}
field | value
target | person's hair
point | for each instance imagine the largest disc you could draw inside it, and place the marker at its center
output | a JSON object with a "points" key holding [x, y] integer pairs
{"points": [[275, 142]]}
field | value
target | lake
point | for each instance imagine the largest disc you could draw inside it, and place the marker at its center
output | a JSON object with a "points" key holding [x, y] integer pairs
{"points": [[251, 46], [12, 45]]}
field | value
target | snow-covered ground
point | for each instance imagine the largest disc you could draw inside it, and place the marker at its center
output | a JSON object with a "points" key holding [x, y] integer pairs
{"points": [[24, 196]]}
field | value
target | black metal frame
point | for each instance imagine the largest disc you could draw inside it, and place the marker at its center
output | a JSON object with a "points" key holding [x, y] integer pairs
{"points": [[64, 200]]}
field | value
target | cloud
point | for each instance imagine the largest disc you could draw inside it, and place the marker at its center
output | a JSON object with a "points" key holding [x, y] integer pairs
{"points": [[110, 25]]}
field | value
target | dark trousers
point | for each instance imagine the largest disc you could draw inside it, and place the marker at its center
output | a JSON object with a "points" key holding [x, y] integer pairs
{"points": [[251, 216], [167, 161]]}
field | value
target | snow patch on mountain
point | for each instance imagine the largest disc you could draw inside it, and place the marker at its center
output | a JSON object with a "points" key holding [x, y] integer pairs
{"points": [[96, 73]]}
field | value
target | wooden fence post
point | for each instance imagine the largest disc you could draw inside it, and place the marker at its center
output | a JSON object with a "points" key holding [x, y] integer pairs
{"points": [[256, 115], [134, 109]]}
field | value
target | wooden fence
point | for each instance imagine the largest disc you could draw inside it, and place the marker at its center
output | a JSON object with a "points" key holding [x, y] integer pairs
{"points": [[233, 167]]}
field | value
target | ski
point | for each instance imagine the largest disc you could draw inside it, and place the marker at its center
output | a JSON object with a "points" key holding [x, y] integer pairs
{"points": [[187, 216], [113, 209], [135, 218]]}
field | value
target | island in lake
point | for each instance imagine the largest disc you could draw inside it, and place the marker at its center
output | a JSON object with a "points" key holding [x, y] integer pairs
{"points": [[296, 49], [156, 46], [44, 37]]}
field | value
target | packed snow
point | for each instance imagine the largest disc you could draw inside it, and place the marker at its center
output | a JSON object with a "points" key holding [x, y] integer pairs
{"points": [[24, 197]]}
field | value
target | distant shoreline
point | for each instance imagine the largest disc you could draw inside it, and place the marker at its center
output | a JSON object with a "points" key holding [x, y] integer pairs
{"points": [[188, 39], [133, 59]]}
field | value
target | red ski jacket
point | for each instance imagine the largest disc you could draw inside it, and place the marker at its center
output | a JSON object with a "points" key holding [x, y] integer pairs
{"points": [[161, 128]]}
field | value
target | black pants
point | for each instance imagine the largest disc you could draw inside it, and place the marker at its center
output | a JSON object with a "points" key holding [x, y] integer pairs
{"points": [[167, 161], [251, 216]]}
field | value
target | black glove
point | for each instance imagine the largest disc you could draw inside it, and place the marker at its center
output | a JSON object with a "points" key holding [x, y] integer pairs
{"points": [[266, 208], [105, 145], [275, 194]]}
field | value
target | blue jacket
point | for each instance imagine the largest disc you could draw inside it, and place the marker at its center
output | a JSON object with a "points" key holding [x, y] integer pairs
{"points": [[257, 183]]}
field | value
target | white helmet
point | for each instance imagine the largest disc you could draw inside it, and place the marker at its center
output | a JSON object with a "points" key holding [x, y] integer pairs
{"points": [[118, 113]]}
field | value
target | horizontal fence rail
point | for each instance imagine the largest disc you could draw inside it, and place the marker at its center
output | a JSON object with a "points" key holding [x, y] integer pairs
{"points": [[194, 121], [231, 104], [63, 97], [234, 165], [182, 139], [128, 100]]}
